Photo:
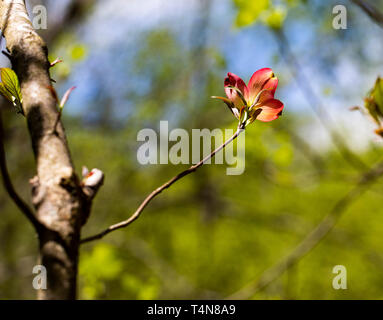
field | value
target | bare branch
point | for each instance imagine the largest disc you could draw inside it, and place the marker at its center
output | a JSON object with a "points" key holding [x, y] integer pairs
{"points": [[313, 238], [8, 185], [371, 11], [156, 192]]}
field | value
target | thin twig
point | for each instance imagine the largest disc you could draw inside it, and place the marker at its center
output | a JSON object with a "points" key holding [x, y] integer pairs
{"points": [[8, 185], [313, 238], [157, 191], [371, 11], [56, 61]]}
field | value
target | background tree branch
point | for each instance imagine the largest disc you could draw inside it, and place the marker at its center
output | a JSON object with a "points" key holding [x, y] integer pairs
{"points": [[313, 238], [8, 185], [371, 11], [315, 103]]}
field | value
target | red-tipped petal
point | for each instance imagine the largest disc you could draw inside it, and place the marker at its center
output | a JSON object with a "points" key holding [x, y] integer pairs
{"points": [[264, 96], [258, 80], [271, 110], [271, 85], [233, 80]]}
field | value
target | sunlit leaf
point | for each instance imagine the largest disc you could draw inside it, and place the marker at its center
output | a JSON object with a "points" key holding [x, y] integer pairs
{"points": [[5, 92], [373, 103], [11, 82], [377, 94], [269, 12], [372, 110], [249, 11], [10, 87]]}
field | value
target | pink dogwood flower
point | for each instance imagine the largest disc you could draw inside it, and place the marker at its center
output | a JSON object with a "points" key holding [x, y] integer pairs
{"points": [[254, 101]]}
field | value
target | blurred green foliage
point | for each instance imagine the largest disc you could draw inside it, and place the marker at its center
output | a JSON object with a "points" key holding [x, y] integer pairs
{"points": [[74, 52], [264, 11]]}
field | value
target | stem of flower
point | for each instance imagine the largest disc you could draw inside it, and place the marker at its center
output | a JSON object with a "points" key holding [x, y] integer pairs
{"points": [[157, 191]]}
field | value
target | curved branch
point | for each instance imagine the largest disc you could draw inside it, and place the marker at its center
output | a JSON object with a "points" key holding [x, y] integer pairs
{"points": [[157, 191], [313, 238], [8, 185]]}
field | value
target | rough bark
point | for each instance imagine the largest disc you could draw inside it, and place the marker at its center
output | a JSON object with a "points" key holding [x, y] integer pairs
{"points": [[60, 205]]}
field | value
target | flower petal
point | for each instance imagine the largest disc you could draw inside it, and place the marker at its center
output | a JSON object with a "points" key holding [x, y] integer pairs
{"points": [[233, 80], [271, 85], [271, 110], [263, 95], [258, 80]]}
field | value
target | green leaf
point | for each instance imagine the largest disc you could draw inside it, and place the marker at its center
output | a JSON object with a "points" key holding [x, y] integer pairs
{"points": [[374, 102], [10, 87], [250, 11], [377, 94], [5, 93], [11, 82], [373, 110], [268, 12]]}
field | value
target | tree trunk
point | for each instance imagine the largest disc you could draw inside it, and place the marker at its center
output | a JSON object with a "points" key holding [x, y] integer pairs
{"points": [[59, 201]]}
